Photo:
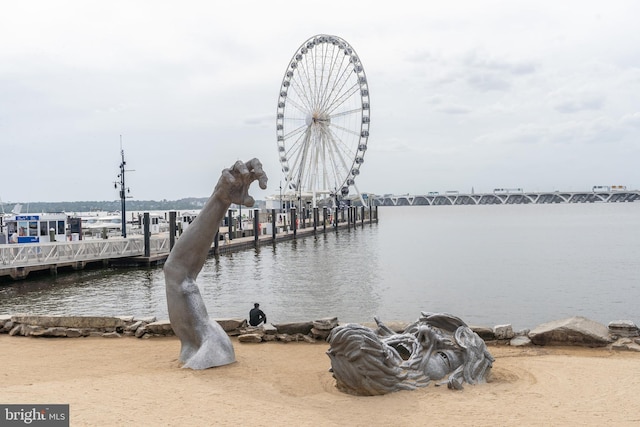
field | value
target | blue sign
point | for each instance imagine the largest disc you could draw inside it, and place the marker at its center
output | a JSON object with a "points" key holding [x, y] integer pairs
{"points": [[28, 239], [27, 217]]}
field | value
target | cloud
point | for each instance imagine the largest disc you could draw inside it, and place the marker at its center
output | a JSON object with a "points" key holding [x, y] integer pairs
{"points": [[485, 81], [525, 133], [480, 60], [453, 109], [631, 120], [577, 102]]}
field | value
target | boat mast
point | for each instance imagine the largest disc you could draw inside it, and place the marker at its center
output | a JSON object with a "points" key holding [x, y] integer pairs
{"points": [[123, 196]]}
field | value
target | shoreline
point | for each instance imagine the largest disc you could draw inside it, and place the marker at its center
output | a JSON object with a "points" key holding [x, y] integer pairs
{"points": [[139, 382], [577, 330]]}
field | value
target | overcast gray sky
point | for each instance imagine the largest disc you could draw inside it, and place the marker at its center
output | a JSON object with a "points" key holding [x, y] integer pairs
{"points": [[542, 95]]}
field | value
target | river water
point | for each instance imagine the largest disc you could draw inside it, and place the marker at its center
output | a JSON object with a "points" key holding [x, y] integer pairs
{"points": [[518, 264]]}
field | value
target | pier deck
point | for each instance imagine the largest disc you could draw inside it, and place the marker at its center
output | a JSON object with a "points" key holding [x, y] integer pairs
{"points": [[18, 260]]}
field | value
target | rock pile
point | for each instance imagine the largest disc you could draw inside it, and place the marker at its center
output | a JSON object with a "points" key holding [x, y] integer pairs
{"points": [[579, 331], [95, 326], [73, 326], [289, 332]]}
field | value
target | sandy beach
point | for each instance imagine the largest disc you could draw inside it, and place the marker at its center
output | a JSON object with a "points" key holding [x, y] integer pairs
{"points": [[128, 381]]}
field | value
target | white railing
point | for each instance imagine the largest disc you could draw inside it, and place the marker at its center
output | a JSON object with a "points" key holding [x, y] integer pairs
{"points": [[26, 254]]}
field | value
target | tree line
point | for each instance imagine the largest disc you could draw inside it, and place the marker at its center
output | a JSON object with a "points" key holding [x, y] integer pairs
{"points": [[110, 206]]}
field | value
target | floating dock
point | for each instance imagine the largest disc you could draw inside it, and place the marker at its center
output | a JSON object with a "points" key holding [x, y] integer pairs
{"points": [[18, 260]]}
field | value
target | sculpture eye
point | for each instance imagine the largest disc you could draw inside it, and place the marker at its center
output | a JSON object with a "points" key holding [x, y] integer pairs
{"points": [[445, 359]]}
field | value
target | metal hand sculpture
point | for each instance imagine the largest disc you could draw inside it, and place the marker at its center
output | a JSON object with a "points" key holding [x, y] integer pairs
{"points": [[204, 344], [367, 363]]}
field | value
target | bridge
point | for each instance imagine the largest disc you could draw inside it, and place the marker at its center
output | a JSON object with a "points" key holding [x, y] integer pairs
{"points": [[507, 198]]}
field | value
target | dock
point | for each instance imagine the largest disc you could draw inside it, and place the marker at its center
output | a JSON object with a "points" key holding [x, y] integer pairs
{"points": [[18, 260]]}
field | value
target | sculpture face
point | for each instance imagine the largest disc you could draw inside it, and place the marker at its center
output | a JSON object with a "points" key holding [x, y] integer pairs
{"points": [[366, 362]]}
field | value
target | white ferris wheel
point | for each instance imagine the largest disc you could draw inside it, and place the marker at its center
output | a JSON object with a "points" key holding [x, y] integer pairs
{"points": [[322, 123]]}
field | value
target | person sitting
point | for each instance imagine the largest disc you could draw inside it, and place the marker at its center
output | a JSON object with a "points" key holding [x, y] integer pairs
{"points": [[256, 316]]}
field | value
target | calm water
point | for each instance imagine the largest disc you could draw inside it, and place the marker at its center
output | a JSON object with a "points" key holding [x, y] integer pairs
{"points": [[518, 264]]}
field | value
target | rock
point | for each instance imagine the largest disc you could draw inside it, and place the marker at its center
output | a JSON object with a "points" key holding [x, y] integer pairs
{"points": [[134, 326], [308, 339], [55, 332], [74, 333], [319, 333], [70, 321], [520, 341], [16, 330], [269, 329], [231, 324], [160, 327], [397, 327], [625, 344], [126, 319], [484, 332], [299, 337], [294, 328], [140, 332], [623, 328], [149, 319], [284, 337], [503, 332], [4, 319], [33, 331], [250, 338], [326, 324], [571, 331], [8, 325], [268, 337]]}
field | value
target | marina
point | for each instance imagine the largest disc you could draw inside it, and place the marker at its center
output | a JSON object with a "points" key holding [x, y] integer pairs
{"points": [[18, 260]]}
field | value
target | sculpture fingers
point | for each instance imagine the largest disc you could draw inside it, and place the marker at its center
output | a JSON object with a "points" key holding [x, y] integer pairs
{"points": [[257, 173]]}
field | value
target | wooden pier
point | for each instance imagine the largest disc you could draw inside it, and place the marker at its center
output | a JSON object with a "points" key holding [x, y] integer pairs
{"points": [[18, 260]]}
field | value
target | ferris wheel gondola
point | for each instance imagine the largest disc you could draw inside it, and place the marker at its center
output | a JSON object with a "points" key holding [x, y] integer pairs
{"points": [[323, 118]]}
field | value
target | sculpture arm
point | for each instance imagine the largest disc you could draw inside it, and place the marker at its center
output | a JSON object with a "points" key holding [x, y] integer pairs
{"points": [[204, 343]]}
